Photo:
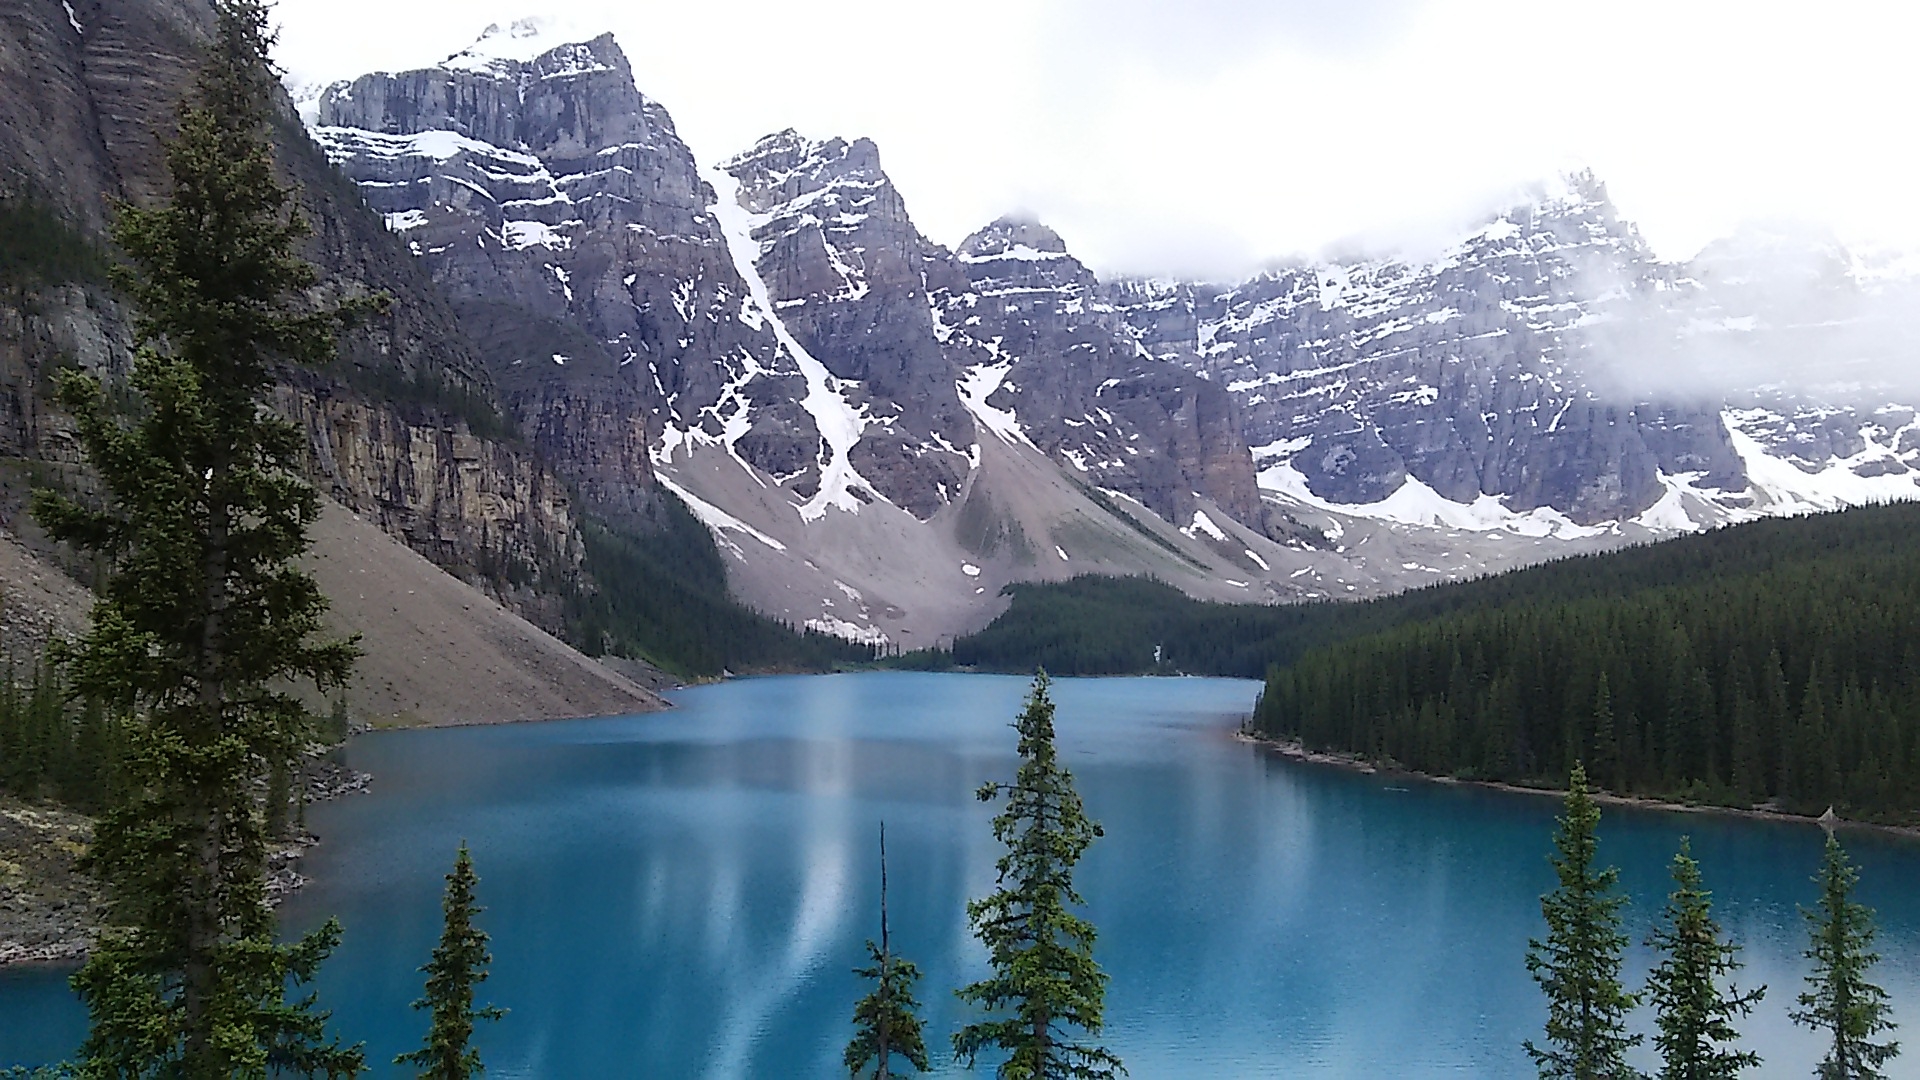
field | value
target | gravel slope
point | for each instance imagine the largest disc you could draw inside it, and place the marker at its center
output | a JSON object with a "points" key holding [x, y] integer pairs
{"points": [[438, 651]]}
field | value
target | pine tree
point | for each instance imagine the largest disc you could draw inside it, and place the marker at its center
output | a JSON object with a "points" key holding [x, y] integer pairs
{"points": [[1695, 1017], [1045, 979], [459, 964], [1606, 740], [1841, 1002], [887, 1021], [1578, 966], [203, 622]]}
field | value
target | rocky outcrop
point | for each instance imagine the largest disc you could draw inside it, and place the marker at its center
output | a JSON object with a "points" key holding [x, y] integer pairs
{"points": [[1008, 328], [1085, 392], [561, 210], [388, 424], [848, 274], [460, 500]]}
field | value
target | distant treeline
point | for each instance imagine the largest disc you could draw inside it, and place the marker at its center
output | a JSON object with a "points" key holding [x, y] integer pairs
{"points": [[1110, 626], [1773, 661], [657, 591], [53, 749]]}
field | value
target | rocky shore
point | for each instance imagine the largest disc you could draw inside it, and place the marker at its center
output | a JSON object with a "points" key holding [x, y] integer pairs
{"points": [[50, 911]]}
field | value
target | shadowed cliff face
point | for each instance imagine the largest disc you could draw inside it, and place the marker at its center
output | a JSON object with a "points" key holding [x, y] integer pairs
{"points": [[87, 102]]}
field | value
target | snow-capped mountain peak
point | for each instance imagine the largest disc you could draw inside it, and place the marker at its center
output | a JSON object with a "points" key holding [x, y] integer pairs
{"points": [[520, 41]]}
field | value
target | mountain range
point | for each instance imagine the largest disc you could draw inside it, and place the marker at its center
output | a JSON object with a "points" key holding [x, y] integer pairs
{"points": [[881, 432]]}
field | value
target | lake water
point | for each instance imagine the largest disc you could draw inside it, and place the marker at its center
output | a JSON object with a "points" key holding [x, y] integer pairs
{"points": [[684, 894]]}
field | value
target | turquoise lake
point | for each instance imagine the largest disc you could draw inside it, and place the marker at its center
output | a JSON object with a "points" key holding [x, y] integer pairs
{"points": [[684, 894]]}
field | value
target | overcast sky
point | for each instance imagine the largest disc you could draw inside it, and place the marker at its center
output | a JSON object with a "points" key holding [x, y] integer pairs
{"points": [[1207, 137]]}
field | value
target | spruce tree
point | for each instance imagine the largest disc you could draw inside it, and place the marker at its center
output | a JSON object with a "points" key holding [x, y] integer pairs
{"points": [[459, 964], [1606, 739], [887, 1021], [1841, 1003], [203, 622], [1578, 966], [1045, 981], [1694, 1015]]}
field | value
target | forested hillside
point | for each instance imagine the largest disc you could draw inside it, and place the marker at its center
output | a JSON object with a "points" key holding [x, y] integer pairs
{"points": [[1773, 662], [659, 594], [1109, 626]]}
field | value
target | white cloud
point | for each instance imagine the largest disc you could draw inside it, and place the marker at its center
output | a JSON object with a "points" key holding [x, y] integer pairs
{"points": [[1206, 136]]}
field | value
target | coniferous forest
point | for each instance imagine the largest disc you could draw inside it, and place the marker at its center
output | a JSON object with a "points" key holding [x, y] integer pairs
{"points": [[1768, 663]]}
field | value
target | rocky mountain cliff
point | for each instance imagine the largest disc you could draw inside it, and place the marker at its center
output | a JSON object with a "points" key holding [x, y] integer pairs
{"points": [[1547, 373], [89, 94]]}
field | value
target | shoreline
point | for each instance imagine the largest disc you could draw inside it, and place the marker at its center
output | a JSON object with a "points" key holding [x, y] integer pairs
{"points": [[1354, 763], [53, 923]]}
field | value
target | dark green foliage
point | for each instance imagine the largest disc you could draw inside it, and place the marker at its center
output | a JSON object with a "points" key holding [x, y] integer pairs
{"points": [[1778, 661], [1841, 1003], [886, 1023], [423, 389], [1578, 966], [38, 246], [1106, 626], [459, 964], [55, 749], [659, 594], [1102, 625], [1045, 980], [203, 622], [1695, 1016]]}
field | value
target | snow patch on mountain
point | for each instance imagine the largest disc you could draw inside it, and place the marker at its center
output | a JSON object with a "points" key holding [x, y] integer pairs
{"points": [[1202, 524], [840, 424], [1839, 482], [841, 628], [1414, 503], [981, 382], [716, 519], [521, 41]]}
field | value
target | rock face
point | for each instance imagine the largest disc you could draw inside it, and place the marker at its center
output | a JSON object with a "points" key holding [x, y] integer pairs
{"points": [[1002, 328], [89, 97], [1055, 354], [1547, 362], [570, 224], [847, 272]]}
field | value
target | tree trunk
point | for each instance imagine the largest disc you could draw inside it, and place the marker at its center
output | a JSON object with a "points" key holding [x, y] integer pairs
{"points": [[205, 904]]}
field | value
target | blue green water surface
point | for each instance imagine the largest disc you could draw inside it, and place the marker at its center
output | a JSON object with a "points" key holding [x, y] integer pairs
{"points": [[684, 894]]}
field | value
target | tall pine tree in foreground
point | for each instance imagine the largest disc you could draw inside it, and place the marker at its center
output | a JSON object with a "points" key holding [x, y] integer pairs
{"points": [[1045, 982], [887, 1021], [1695, 1017], [204, 621], [459, 964], [1578, 966], [1841, 1003]]}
